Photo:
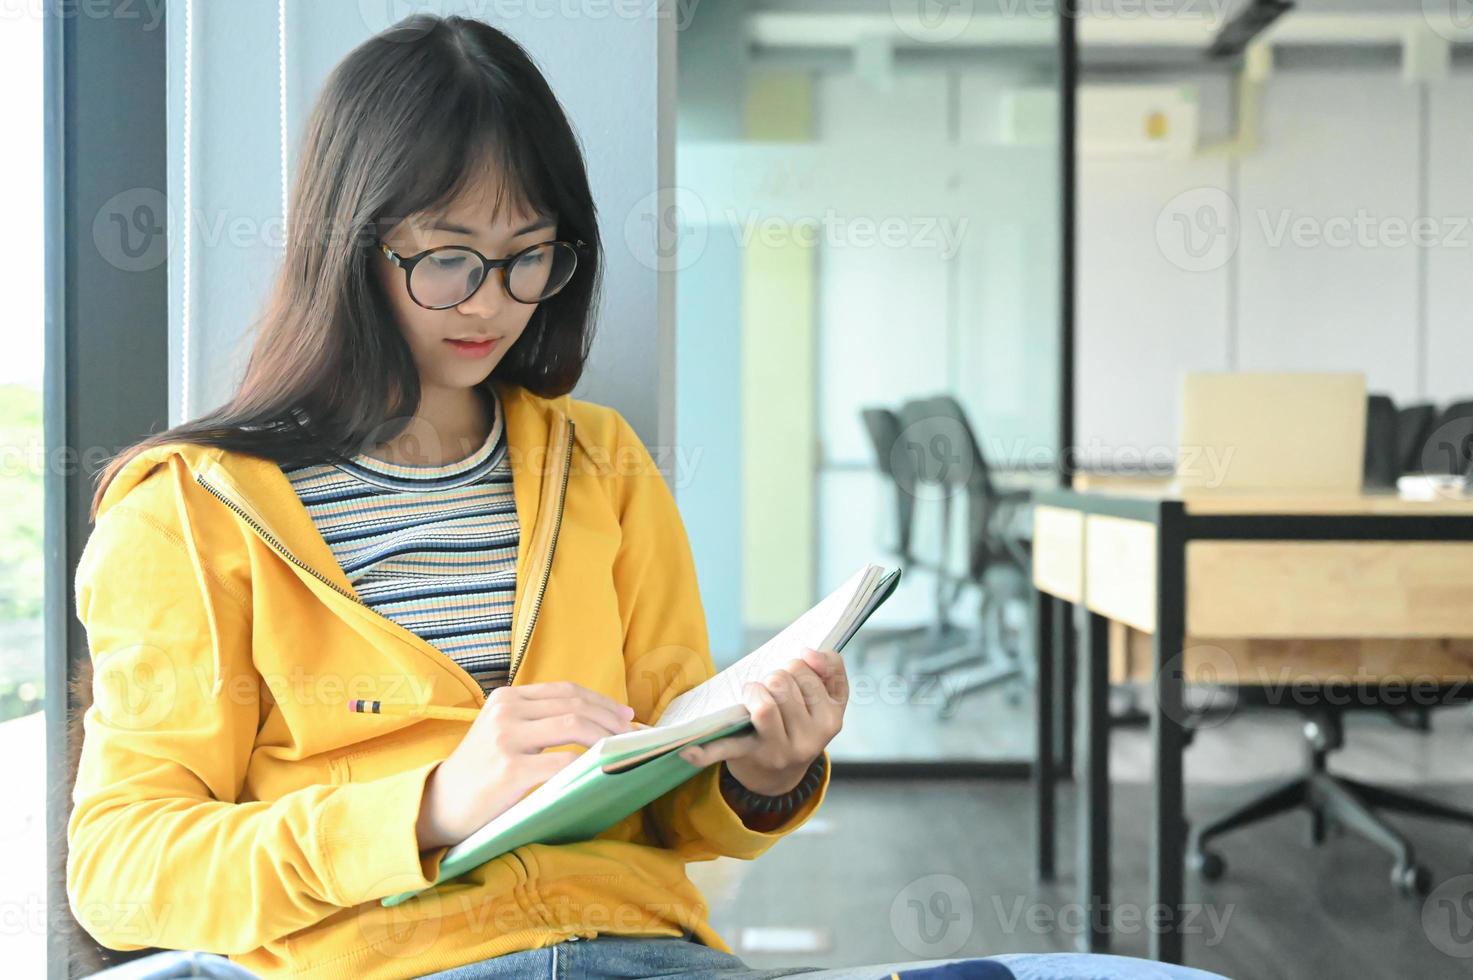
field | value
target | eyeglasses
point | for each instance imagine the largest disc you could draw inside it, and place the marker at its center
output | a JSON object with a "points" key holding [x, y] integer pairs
{"points": [[448, 275]]}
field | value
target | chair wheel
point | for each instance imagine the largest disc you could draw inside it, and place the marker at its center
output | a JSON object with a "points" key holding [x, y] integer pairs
{"points": [[1411, 879], [1325, 827], [1208, 864]]}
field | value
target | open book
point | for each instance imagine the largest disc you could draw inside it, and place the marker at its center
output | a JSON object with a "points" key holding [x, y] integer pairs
{"points": [[619, 774]]}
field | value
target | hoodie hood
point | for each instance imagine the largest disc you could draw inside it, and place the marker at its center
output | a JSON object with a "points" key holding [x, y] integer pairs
{"points": [[263, 499]]}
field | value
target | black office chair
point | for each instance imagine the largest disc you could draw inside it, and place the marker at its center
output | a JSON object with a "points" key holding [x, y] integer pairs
{"points": [[1413, 426], [883, 427], [1394, 443], [930, 471], [1333, 801], [1448, 449], [1383, 464], [951, 461]]}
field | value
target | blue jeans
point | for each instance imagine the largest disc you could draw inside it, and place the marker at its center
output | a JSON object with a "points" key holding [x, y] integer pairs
{"points": [[678, 958], [673, 957]]}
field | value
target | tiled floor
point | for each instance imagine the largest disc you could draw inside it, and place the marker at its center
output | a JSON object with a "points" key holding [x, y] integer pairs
{"points": [[907, 869]]}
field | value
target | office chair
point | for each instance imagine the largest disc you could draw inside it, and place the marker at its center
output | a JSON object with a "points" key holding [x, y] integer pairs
{"points": [[1333, 801], [950, 460], [883, 427], [1394, 446], [1382, 465], [1449, 447], [1413, 426], [927, 468]]}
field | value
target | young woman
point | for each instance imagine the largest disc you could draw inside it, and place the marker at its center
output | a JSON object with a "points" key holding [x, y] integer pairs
{"points": [[403, 504]]}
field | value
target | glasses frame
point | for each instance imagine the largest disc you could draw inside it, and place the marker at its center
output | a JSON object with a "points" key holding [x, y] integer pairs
{"points": [[408, 262]]}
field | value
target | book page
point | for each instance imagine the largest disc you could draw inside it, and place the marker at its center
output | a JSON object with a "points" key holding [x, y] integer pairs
{"points": [[725, 689]]}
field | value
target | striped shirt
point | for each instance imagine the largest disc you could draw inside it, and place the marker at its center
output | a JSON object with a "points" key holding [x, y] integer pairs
{"points": [[433, 548]]}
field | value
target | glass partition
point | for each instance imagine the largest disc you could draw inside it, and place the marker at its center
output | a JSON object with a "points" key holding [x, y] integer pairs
{"points": [[869, 212]]}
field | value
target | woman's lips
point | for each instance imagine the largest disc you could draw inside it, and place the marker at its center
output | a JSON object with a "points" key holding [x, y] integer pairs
{"points": [[467, 349]]}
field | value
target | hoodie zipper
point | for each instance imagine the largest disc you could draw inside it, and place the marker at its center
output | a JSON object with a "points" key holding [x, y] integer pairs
{"points": [[271, 539], [281, 549], [547, 565]]}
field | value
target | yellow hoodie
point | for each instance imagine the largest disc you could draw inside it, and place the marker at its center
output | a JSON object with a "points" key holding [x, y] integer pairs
{"points": [[228, 802]]}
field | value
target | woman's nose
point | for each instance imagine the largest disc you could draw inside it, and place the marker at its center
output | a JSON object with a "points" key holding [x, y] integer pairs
{"points": [[490, 296]]}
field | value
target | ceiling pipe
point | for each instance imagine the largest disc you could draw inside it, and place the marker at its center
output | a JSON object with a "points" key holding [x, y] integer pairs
{"points": [[1252, 21]]}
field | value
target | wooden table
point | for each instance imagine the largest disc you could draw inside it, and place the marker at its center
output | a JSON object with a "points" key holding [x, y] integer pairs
{"points": [[1224, 584]]}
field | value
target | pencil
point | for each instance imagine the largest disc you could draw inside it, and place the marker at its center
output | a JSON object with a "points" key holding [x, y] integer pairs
{"points": [[361, 706]]}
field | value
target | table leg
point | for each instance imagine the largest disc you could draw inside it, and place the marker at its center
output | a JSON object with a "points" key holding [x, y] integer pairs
{"points": [[1094, 784], [1043, 763], [1066, 646], [1168, 818]]}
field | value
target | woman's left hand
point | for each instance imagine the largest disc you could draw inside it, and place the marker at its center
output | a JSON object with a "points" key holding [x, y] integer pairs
{"points": [[796, 712]]}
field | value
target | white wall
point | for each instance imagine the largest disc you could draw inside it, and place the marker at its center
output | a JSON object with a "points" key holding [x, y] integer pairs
{"points": [[234, 136], [1338, 152], [1449, 349], [1334, 145]]}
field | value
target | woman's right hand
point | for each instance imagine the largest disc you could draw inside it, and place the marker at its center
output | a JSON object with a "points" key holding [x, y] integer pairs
{"points": [[502, 756]]}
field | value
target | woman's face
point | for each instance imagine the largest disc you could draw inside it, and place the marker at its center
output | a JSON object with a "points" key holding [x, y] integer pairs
{"points": [[489, 314]]}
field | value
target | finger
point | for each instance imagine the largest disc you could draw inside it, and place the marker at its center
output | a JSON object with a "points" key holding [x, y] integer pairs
{"points": [[568, 689], [830, 666], [797, 715], [613, 722], [825, 696], [564, 729], [731, 747], [767, 720], [823, 662], [839, 684], [814, 691]]}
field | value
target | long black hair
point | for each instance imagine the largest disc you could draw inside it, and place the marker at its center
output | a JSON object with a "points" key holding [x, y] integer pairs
{"points": [[403, 124]]}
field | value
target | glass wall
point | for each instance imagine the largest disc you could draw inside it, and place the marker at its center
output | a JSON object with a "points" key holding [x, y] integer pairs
{"points": [[869, 215]]}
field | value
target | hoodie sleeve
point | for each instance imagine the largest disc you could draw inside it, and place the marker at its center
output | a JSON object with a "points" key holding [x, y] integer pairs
{"points": [[155, 821], [667, 652]]}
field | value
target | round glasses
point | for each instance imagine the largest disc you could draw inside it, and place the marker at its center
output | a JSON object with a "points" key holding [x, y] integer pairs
{"points": [[448, 275]]}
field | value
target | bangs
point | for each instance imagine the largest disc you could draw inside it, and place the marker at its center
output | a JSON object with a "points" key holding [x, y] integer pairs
{"points": [[459, 148]]}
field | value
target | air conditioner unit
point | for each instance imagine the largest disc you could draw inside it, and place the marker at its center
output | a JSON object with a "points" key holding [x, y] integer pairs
{"points": [[1111, 120]]}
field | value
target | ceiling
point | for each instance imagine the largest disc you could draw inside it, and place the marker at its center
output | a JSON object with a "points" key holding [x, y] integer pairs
{"points": [[1183, 29]]}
